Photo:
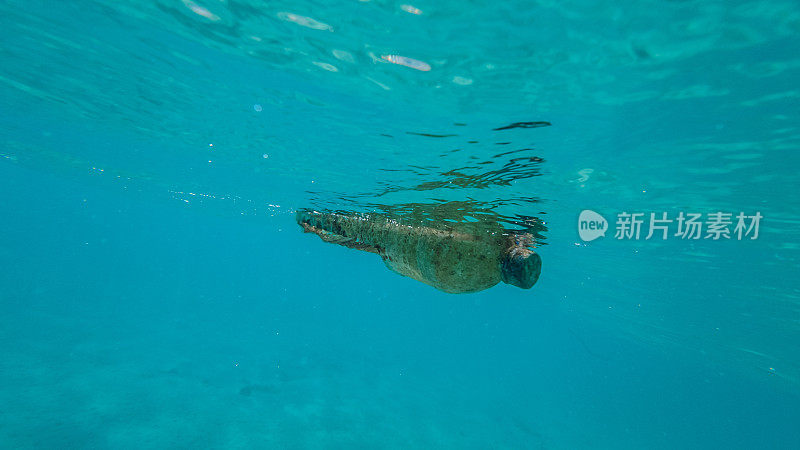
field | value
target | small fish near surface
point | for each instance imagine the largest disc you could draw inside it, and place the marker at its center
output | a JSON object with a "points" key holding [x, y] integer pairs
{"points": [[458, 258]]}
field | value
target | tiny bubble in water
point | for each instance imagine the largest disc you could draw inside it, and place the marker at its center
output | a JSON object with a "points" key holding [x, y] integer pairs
{"points": [[257, 107]]}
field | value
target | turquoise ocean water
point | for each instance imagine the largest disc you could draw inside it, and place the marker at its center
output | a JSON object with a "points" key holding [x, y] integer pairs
{"points": [[156, 292]]}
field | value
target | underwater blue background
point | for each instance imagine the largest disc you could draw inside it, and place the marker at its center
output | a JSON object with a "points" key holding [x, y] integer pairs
{"points": [[156, 292]]}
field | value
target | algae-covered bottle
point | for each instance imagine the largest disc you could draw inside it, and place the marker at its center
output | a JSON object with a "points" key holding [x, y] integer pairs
{"points": [[456, 258]]}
